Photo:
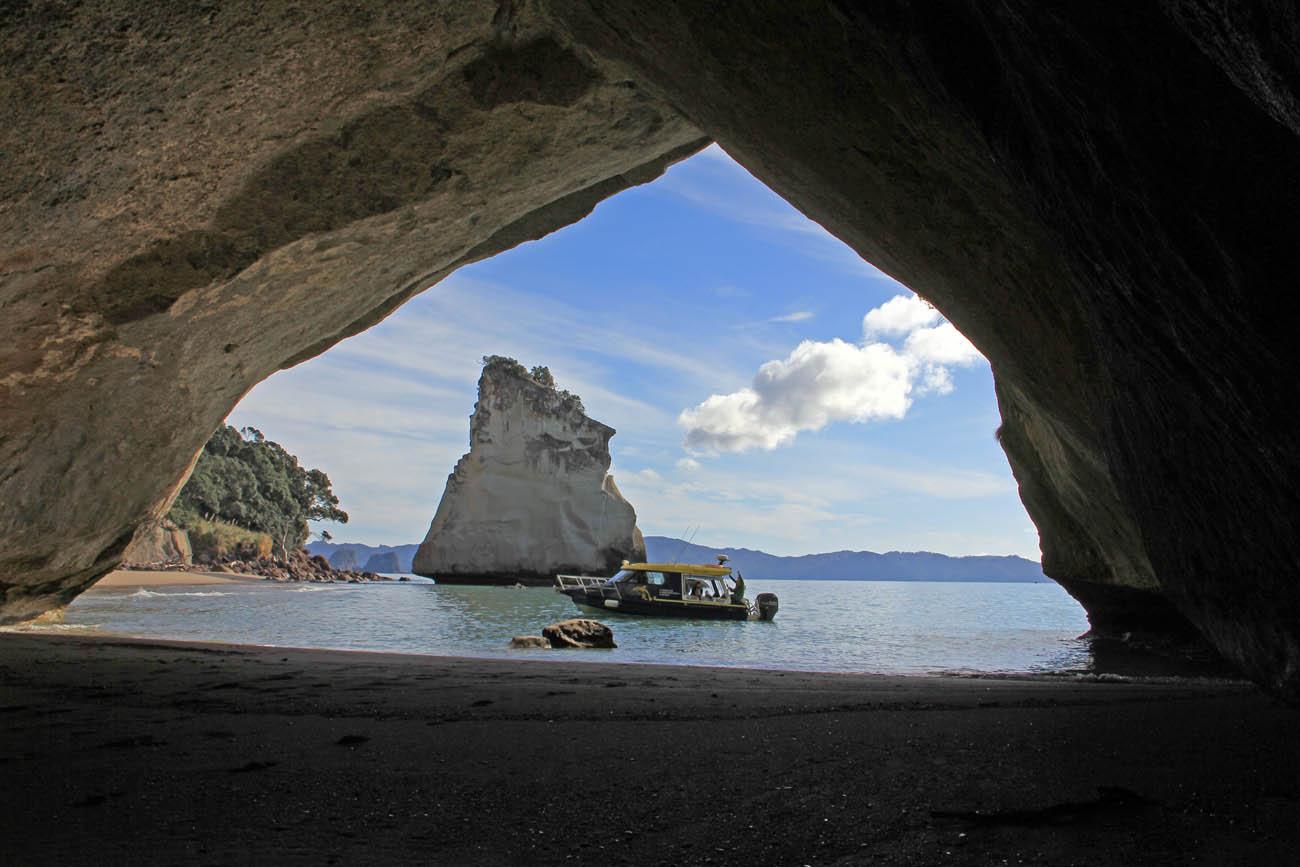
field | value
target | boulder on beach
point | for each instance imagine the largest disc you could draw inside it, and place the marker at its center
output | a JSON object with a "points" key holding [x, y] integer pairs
{"points": [[579, 632], [533, 497]]}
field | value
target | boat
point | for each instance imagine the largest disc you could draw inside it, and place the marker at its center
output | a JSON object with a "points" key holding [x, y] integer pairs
{"points": [[688, 590]]}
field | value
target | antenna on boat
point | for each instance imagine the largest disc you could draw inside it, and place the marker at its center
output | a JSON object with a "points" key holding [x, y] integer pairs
{"points": [[677, 557]]}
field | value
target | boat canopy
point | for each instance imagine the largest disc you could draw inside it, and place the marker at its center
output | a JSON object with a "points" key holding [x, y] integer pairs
{"points": [[683, 568]]}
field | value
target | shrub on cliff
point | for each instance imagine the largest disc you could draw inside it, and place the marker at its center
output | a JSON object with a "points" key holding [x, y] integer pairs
{"points": [[245, 480], [504, 363], [542, 376]]}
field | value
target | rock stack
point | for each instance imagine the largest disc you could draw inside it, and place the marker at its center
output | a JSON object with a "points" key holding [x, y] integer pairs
{"points": [[386, 562], [344, 559], [533, 496]]}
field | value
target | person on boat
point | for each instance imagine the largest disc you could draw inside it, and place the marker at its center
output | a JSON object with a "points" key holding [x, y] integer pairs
{"points": [[738, 594], [635, 585]]}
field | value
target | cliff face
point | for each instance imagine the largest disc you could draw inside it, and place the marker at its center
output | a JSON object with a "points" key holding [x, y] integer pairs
{"points": [[191, 200], [1104, 203], [533, 496], [159, 542]]}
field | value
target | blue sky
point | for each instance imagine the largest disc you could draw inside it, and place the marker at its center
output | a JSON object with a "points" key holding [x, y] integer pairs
{"points": [[722, 334]]}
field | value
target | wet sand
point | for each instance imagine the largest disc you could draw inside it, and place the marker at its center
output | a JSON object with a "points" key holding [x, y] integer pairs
{"points": [[131, 751], [147, 578]]}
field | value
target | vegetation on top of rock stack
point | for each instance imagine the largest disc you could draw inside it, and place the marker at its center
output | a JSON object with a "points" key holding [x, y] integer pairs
{"points": [[245, 480], [540, 375], [505, 364]]}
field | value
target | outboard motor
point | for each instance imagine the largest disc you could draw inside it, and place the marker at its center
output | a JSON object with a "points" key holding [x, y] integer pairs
{"points": [[767, 606]]}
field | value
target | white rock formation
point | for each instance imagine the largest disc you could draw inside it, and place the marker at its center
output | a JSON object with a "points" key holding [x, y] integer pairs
{"points": [[534, 495]]}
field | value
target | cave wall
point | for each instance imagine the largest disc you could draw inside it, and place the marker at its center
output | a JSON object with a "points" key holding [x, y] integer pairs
{"points": [[192, 198], [1105, 204], [1103, 201]]}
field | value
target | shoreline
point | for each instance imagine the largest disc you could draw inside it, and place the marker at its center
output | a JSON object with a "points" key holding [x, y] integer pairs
{"points": [[160, 751], [593, 657]]}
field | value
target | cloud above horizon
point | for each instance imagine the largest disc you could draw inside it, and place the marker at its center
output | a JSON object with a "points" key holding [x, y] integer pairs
{"points": [[822, 382]]}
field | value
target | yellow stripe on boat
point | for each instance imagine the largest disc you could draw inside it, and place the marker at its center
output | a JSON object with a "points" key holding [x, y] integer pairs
{"points": [[684, 568], [698, 602]]}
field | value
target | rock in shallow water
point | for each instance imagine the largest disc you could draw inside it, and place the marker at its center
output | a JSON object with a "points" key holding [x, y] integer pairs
{"points": [[579, 632], [524, 642]]}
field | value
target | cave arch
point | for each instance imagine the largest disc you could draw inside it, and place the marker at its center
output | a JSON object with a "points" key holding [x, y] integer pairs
{"points": [[1101, 203]]}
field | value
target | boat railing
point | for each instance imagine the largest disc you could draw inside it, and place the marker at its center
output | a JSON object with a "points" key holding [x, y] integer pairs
{"points": [[574, 582]]}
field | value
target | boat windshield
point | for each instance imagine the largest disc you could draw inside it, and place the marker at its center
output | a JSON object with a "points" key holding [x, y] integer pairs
{"points": [[623, 575]]}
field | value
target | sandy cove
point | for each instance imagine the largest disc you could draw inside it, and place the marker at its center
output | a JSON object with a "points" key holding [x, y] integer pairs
{"points": [[147, 578], [140, 751]]}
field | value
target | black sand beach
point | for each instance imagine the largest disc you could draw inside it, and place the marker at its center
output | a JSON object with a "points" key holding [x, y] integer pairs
{"points": [[146, 752]]}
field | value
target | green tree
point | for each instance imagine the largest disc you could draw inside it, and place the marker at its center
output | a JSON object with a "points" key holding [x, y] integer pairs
{"points": [[243, 478], [542, 376]]}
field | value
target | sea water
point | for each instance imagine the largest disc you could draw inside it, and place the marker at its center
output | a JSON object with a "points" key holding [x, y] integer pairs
{"points": [[849, 626]]}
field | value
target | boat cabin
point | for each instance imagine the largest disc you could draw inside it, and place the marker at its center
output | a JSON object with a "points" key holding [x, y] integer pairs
{"points": [[677, 581]]}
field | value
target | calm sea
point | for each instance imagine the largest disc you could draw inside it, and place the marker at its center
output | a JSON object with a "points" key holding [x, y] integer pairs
{"points": [[859, 626]]}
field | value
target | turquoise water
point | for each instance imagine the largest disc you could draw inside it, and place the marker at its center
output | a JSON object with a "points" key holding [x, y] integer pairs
{"points": [[857, 626]]}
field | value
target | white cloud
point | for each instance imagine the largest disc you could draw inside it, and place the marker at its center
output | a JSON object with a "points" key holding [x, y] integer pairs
{"points": [[824, 382], [688, 465], [942, 344], [817, 384], [935, 380], [898, 316], [797, 316]]}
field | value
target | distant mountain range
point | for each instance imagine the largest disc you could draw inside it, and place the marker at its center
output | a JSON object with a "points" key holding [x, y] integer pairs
{"points": [[851, 565], [354, 555], [837, 565]]}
